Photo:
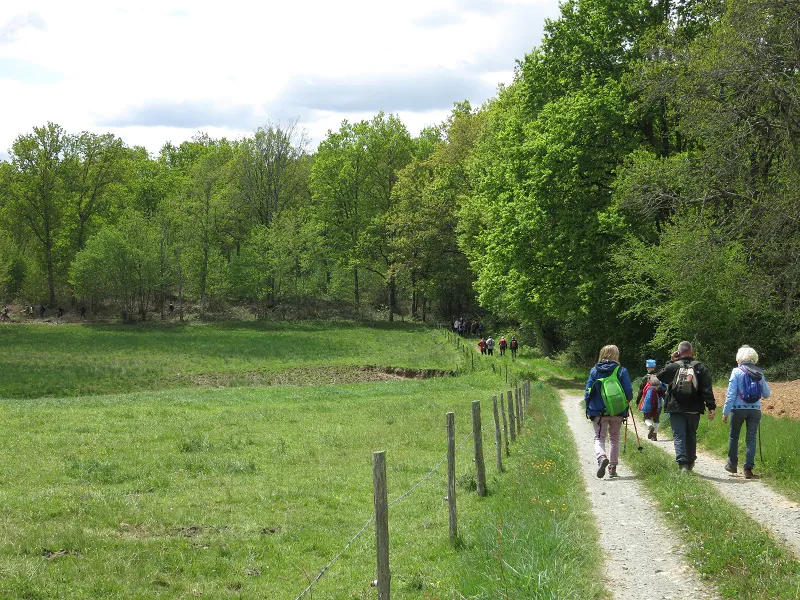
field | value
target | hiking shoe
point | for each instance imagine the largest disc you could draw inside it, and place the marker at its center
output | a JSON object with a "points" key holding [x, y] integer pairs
{"points": [[655, 436], [748, 473], [730, 468], [601, 471], [612, 472], [685, 468], [690, 465], [651, 433]]}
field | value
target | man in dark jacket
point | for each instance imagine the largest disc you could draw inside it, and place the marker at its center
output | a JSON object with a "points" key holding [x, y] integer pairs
{"points": [[686, 402]]}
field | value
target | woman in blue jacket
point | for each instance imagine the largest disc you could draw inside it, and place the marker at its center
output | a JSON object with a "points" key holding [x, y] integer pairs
{"points": [[605, 424], [746, 386]]}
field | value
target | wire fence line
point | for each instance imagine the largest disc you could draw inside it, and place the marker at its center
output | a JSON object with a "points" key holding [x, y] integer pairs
{"points": [[405, 494], [401, 497]]}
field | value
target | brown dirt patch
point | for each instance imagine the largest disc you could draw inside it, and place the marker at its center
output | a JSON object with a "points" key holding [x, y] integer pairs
{"points": [[784, 400], [322, 375]]}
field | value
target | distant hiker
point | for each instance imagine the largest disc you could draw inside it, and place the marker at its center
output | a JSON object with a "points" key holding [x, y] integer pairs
{"points": [[607, 395], [688, 395], [482, 346], [41, 311], [650, 400], [502, 345], [513, 345], [83, 312], [4, 314], [490, 345], [171, 308], [60, 312], [746, 386]]}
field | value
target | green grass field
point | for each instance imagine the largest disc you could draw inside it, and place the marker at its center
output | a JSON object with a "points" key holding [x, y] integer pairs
{"points": [[75, 360], [205, 489]]}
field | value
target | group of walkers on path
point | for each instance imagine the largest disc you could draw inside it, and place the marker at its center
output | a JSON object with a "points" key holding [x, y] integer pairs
{"points": [[486, 346], [683, 389]]}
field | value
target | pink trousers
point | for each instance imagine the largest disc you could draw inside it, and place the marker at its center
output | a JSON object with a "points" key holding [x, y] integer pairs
{"points": [[610, 426]]}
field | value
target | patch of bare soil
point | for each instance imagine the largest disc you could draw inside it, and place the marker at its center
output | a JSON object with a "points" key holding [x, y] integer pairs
{"points": [[323, 375], [784, 400]]}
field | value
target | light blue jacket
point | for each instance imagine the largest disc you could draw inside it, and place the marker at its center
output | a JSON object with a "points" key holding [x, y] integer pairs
{"points": [[734, 399]]}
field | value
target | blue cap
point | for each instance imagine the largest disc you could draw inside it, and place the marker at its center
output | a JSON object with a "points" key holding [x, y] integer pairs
{"points": [[650, 363]]}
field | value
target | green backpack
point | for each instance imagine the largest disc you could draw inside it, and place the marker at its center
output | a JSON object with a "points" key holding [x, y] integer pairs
{"points": [[613, 395]]}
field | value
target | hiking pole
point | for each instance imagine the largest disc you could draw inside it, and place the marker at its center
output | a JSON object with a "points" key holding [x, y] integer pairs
{"points": [[760, 453], [625, 441], [635, 429]]}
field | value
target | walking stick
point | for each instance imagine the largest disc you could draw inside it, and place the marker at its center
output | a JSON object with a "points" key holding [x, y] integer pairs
{"points": [[638, 443], [625, 441], [760, 453]]}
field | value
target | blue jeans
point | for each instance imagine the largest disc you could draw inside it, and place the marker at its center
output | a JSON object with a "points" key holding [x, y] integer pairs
{"points": [[751, 418], [684, 434]]}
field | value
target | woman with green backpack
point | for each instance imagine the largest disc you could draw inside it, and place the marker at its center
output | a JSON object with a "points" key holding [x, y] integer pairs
{"points": [[607, 395]]}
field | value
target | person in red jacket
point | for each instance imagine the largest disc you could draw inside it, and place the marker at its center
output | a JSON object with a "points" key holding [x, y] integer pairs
{"points": [[482, 346], [502, 345]]}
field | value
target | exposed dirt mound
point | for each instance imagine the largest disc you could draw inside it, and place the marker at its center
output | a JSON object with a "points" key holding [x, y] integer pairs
{"points": [[783, 402]]}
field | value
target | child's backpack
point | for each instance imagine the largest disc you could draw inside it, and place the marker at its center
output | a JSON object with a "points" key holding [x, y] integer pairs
{"points": [[652, 402], [612, 393], [751, 384], [685, 385]]}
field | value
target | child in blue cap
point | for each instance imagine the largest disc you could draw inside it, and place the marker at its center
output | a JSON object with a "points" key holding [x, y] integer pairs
{"points": [[650, 400]]}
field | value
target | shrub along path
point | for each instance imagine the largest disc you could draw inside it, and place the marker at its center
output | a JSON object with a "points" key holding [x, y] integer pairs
{"points": [[644, 559], [773, 510]]}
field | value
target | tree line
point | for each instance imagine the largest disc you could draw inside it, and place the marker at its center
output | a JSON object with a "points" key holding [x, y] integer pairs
{"points": [[636, 182]]}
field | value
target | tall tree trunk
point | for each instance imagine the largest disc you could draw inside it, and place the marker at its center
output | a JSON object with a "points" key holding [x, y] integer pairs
{"points": [[51, 284], [392, 297], [356, 296]]}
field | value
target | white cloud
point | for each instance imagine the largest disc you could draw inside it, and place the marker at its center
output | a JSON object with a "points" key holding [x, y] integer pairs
{"points": [[159, 68]]}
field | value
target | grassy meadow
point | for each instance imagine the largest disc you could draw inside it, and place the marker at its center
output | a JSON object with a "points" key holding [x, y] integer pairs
{"points": [[200, 487], [75, 359]]}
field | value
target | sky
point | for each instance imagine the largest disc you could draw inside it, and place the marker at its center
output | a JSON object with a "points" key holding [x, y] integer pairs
{"points": [[157, 71]]}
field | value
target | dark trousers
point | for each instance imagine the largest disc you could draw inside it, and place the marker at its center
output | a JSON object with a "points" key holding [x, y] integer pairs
{"points": [[684, 434], [750, 418]]}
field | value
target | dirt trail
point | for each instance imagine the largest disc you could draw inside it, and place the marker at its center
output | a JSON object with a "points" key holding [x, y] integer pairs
{"points": [[774, 511], [630, 529]]}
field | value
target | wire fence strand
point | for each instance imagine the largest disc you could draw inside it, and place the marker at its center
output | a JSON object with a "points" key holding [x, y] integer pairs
{"points": [[405, 494]]}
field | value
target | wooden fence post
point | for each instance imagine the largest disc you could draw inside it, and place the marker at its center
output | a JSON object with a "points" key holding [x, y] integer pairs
{"points": [[519, 410], [498, 439], [451, 474], [477, 436], [506, 373], [512, 427], [381, 497], [505, 423]]}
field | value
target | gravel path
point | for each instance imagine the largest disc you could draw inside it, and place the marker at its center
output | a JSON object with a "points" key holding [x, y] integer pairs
{"points": [[774, 511], [630, 529]]}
